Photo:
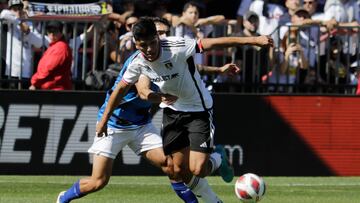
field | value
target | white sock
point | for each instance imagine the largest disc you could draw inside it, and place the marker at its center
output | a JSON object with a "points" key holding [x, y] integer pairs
{"points": [[215, 159], [201, 188]]}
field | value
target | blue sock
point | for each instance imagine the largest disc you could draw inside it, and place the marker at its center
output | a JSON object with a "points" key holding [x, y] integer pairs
{"points": [[184, 192], [72, 193]]}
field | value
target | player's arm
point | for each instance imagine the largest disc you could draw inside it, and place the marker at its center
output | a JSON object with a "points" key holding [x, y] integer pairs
{"points": [[143, 87], [116, 96], [222, 42], [229, 68]]}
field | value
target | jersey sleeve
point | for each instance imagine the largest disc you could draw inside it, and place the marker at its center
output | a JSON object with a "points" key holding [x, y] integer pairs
{"points": [[132, 74], [191, 47]]}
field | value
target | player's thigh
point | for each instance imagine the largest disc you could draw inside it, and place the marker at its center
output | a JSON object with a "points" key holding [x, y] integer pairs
{"points": [[198, 161], [174, 133], [201, 132], [180, 159], [146, 138]]}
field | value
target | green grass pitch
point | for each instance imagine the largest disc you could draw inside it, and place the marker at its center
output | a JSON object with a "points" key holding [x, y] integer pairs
{"points": [[146, 189]]}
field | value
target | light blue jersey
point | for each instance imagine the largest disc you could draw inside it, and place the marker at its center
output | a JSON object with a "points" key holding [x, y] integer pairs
{"points": [[132, 112]]}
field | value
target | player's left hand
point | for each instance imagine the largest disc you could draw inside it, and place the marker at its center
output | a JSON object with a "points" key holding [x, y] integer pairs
{"points": [[101, 129], [230, 69], [264, 40]]}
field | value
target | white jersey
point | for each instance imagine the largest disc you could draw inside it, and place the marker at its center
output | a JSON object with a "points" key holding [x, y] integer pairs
{"points": [[175, 73]]}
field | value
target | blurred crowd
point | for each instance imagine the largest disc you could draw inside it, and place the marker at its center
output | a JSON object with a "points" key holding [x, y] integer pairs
{"points": [[316, 48]]}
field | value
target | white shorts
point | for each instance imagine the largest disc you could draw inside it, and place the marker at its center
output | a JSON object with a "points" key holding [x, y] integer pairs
{"points": [[142, 139]]}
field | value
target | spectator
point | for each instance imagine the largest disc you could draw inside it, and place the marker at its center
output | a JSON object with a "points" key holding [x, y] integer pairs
{"points": [[337, 68], [75, 44], [292, 6], [242, 9], [162, 27], [269, 15], [127, 46], [54, 68], [252, 60], [311, 6], [108, 47], [291, 61], [192, 27], [20, 39], [308, 36], [128, 8], [343, 11]]}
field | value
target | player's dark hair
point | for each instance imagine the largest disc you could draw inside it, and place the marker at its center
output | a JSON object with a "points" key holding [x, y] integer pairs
{"points": [[144, 29]]}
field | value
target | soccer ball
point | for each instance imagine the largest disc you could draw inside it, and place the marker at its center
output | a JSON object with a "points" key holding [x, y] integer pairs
{"points": [[250, 188]]}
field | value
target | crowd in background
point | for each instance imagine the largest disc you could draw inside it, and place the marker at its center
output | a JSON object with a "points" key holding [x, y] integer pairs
{"points": [[316, 44]]}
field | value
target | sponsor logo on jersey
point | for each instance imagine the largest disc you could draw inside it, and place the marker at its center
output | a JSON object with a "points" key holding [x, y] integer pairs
{"points": [[168, 64], [165, 77]]}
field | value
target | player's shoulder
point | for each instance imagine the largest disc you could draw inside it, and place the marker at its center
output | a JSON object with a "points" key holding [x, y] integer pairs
{"points": [[135, 60], [173, 42]]}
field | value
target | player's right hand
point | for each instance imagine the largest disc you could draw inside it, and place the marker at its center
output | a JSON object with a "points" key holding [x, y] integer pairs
{"points": [[168, 99], [264, 40], [101, 129]]}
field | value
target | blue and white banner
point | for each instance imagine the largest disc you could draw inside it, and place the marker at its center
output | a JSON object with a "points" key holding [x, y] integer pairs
{"points": [[67, 9]]}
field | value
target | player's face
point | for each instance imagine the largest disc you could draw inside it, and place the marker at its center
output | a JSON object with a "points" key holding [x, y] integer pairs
{"points": [[149, 47]]}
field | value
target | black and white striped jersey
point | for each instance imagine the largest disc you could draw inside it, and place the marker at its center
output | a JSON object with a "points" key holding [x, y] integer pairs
{"points": [[175, 73]]}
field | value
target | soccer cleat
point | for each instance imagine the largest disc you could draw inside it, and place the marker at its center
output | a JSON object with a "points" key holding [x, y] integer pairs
{"points": [[60, 195], [226, 170]]}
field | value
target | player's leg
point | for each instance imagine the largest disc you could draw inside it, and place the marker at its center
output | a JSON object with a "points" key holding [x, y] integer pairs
{"points": [[201, 135], [157, 158], [101, 172], [226, 170], [201, 162], [202, 189], [148, 142], [105, 150], [199, 186]]}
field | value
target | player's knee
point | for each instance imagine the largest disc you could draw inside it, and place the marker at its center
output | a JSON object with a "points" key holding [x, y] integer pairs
{"points": [[198, 170], [180, 170], [168, 166]]}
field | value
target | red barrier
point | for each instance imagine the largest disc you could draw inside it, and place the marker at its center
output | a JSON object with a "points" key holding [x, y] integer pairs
{"points": [[329, 125]]}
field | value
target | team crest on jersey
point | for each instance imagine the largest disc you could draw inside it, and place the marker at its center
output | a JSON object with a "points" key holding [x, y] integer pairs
{"points": [[168, 64]]}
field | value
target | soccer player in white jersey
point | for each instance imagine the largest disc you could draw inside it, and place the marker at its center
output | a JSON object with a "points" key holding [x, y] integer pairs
{"points": [[187, 126], [143, 138]]}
